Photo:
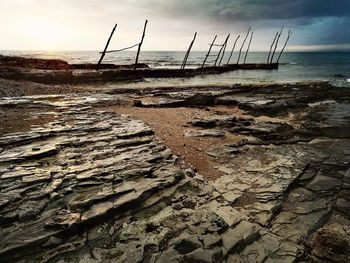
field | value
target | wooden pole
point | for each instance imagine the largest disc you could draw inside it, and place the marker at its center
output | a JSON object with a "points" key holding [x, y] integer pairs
{"points": [[240, 50], [222, 54], [107, 44], [234, 45], [216, 60], [273, 42], [250, 41], [285, 44], [188, 52], [222, 46], [139, 48], [276, 44], [206, 57], [224, 49], [217, 57]]}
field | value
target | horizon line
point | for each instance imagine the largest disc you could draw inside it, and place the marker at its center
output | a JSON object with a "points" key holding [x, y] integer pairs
{"points": [[257, 51]]}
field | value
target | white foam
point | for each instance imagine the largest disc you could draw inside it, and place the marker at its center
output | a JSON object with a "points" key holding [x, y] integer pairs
{"points": [[348, 80]]}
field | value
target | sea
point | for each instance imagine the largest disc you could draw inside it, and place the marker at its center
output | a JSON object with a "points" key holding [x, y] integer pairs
{"points": [[294, 66]]}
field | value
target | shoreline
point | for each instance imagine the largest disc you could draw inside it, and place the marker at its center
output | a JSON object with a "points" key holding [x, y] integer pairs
{"points": [[57, 72], [9, 88]]}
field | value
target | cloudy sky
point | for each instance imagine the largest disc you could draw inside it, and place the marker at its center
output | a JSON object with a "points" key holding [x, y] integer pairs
{"points": [[85, 24]]}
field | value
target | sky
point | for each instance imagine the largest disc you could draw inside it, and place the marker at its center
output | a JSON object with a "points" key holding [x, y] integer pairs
{"points": [[316, 25]]}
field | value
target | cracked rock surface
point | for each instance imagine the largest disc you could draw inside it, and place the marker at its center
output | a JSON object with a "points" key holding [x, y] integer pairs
{"points": [[93, 185]]}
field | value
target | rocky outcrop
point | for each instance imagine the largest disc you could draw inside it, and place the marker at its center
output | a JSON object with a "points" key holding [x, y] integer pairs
{"points": [[77, 170], [96, 186], [330, 243], [288, 176], [56, 64]]}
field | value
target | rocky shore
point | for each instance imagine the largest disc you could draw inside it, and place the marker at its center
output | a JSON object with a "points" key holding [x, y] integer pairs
{"points": [[53, 71], [248, 173]]}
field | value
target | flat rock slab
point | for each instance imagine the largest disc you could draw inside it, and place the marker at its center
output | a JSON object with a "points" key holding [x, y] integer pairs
{"points": [[243, 100], [95, 186], [205, 133], [32, 151], [103, 189], [62, 176]]}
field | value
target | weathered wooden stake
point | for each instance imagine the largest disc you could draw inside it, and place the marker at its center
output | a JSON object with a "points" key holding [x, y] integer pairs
{"points": [[218, 55], [206, 57], [222, 46], [222, 54], [240, 50], [139, 48], [188, 52], [276, 44], [107, 44], [224, 49], [250, 41], [273, 42], [234, 45], [285, 44]]}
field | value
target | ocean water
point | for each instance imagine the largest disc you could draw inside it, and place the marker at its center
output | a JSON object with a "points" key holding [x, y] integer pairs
{"points": [[294, 66]]}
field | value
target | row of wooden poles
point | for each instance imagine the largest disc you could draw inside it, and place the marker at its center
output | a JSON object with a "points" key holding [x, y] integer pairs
{"points": [[218, 57], [104, 52]]}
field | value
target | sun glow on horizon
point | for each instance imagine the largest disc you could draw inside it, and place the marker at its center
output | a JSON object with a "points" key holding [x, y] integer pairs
{"points": [[86, 25], [44, 33]]}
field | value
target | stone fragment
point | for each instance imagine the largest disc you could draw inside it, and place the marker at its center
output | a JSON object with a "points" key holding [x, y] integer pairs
{"points": [[330, 244], [205, 133], [323, 184], [241, 234]]}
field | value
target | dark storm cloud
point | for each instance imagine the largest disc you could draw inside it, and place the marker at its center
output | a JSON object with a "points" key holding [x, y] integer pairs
{"points": [[251, 10], [313, 22], [331, 30]]}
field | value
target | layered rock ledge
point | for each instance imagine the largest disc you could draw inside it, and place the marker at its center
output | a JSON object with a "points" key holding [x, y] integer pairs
{"points": [[91, 184]]}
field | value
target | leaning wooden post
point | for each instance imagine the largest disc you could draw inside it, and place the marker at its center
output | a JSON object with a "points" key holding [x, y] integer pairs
{"points": [[273, 42], [285, 44], [139, 48], [224, 49], [222, 46], [188, 52], [216, 60], [107, 44], [250, 41], [206, 57], [240, 50], [234, 45], [222, 54], [276, 44]]}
